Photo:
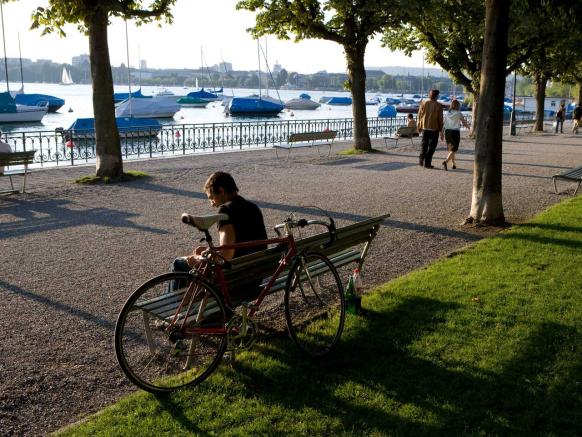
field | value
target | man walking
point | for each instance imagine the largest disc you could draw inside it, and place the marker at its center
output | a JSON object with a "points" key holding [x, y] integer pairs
{"points": [[577, 116], [430, 121]]}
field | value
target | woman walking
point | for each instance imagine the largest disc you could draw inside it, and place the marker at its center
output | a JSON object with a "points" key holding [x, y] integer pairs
{"points": [[452, 126]]}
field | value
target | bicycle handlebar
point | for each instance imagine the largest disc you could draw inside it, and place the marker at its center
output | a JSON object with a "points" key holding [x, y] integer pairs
{"points": [[301, 223]]}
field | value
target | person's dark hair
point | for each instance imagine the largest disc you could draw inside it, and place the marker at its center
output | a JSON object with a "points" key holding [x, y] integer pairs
{"points": [[435, 93], [410, 115], [220, 179]]}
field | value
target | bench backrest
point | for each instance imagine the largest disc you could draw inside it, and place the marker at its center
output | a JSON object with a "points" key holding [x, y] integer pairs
{"points": [[405, 131], [312, 136], [17, 158], [250, 269]]}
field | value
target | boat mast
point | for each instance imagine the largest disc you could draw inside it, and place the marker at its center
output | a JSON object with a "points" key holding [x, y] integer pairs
{"points": [[267, 64], [259, 56], [20, 57], [128, 69], [4, 41]]}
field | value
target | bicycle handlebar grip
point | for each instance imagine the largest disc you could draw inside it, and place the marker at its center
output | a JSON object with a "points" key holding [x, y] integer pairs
{"points": [[302, 223], [332, 233]]}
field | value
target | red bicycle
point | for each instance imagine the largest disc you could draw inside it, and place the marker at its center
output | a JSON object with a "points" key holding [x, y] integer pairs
{"points": [[173, 330]]}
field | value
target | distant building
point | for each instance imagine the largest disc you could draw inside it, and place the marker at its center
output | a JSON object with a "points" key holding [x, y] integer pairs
{"points": [[80, 61], [221, 67], [143, 64], [277, 67]]}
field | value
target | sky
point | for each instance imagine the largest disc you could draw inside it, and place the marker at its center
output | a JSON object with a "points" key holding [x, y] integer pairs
{"points": [[214, 25]]}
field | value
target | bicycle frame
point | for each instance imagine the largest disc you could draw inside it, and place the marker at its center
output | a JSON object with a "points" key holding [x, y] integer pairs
{"points": [[208, 267]]}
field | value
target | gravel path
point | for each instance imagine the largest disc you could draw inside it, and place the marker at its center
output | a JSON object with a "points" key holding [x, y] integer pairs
{"points": [[72, 254]]}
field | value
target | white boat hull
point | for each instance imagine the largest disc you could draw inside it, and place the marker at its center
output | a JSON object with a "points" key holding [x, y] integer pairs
{"points": [[23, 114]]}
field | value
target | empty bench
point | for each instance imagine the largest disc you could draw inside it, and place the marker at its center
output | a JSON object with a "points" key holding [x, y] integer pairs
{"points": [[308, 139], [574, 175], [351, 246], [23, 159], [525, 124], [401, 132]]}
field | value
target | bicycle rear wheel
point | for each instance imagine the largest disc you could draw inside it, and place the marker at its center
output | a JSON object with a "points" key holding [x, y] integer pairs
{"points": [[159, 358], [314, 304]]}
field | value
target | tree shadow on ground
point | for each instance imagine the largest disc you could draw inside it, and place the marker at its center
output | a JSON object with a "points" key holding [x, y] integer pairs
{"points": [[43, 215], [8, 288], [377, 362], [308, 210], [574, 244]]}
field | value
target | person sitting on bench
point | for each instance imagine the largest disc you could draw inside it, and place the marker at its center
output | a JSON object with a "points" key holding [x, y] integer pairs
{"points": [[4, 148], [245, 223]]}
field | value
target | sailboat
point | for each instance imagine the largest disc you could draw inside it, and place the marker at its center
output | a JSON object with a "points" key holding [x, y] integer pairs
{"points": [[66, 77], [10, 112], [255, 106]]}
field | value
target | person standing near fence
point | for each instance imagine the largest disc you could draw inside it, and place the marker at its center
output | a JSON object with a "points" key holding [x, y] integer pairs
{"points": [[576, 117], [430, 121], [560, 118], [452, 124]]}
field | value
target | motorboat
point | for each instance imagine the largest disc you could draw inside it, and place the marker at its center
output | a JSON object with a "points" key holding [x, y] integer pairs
{"points": [[408, 107], [153, 107], [387, 111], [340, 101], [372, 101], [53, 103], [303, 102], [204, 95], [84, 128], [10, 112], [324, 99], [192, 102], [167, 94], [253, 106]]}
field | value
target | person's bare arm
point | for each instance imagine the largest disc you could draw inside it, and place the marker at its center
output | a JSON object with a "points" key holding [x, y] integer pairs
{"points": [[226, 237]]}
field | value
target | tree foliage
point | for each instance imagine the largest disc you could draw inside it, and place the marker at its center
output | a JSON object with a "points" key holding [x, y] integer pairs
{"points": [[350, 23], [62, 12]]}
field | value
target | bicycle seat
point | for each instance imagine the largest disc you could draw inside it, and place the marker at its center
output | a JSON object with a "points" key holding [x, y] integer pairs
{"points": [[203, 222]]}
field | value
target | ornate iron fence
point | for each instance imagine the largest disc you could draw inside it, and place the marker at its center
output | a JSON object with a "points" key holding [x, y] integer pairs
{"points": [[70, 148]]}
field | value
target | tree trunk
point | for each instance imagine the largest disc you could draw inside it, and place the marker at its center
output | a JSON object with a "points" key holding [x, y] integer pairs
{"points": [[474, 111], [357, 79], [579, 93], [486, 205], [541, 82], [108, 147]]}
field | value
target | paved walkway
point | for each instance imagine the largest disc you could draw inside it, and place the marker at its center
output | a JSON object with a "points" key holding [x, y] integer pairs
{"points": [[72, 254]]}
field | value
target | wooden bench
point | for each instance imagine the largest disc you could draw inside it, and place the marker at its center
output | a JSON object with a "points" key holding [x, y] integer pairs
{"points": [[308, 139], [574, 175], [402, 132], [16, 158], [350, 247], [524, 124]]}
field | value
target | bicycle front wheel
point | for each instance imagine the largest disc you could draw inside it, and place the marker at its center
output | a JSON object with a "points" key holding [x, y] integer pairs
{"points": [[171, 333], [314, 304]]}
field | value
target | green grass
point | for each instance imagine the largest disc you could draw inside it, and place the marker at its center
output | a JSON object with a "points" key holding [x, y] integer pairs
{"points": [[129, 175], [353, 151], [486, 342]]}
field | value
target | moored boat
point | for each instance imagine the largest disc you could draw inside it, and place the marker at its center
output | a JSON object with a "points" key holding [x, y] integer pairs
{"points": [[253, 106], [204, 95], [192, 102], [303, 102], [340, 101], [120, 97], [153, 107], [84, 128], [387, 111], [10, 112]]}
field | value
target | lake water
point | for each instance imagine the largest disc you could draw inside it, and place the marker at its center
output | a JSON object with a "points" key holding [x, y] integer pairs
{"points": [[78, 98]]}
